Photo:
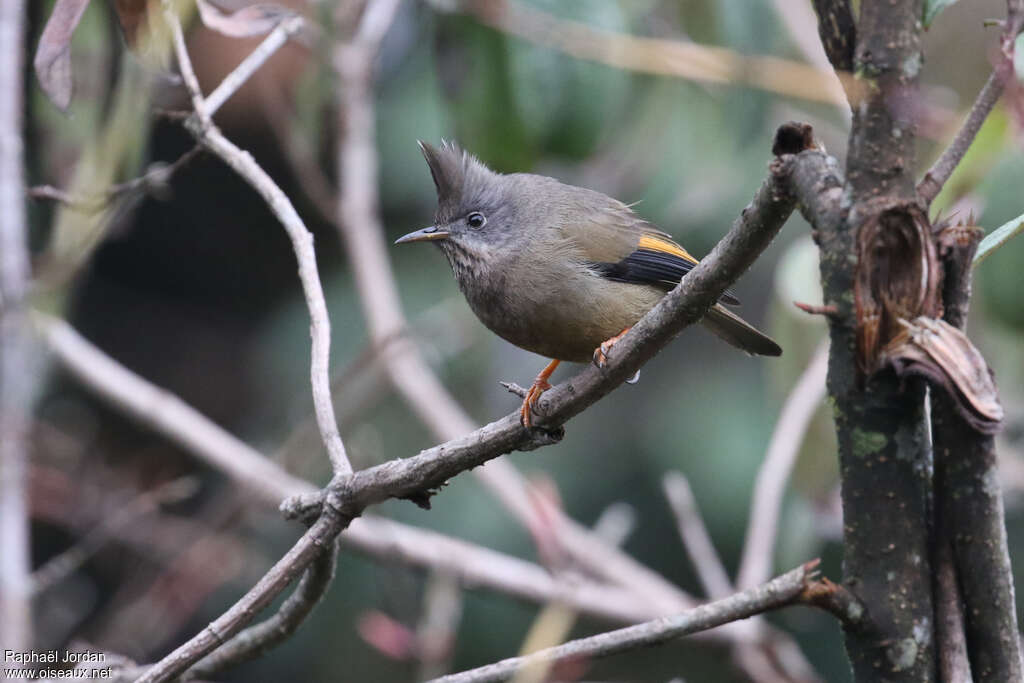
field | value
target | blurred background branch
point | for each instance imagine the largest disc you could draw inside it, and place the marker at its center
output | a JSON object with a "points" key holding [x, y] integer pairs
{"points": [[18, 364]]}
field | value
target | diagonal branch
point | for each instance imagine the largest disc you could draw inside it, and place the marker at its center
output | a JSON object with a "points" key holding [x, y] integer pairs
{"points": [[782, 591], [317, 540], [417, 477], [943, 168], [264, 636], [269, 484]]}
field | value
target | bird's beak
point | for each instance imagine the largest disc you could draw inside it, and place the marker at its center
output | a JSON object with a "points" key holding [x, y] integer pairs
{"points": [[424, 235]]}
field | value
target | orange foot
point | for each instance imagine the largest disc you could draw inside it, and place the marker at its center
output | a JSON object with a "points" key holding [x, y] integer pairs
{"points": [[602, 351], [540, 385]]}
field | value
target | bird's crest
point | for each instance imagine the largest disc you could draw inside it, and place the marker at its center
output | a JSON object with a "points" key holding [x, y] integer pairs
{"points": [[454, 170]]}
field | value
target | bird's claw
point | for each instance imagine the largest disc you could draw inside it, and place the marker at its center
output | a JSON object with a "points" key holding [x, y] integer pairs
{"points": [[532, 396], [602, 351]]}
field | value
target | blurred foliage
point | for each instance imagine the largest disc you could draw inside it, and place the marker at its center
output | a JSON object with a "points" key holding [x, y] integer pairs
{"points": [[198, 293]]}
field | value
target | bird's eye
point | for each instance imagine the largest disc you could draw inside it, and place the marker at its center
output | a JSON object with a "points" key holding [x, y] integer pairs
{"points": [[476, 219]]}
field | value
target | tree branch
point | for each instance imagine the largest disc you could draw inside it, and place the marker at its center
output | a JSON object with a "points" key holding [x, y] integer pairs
{"points": [[155, 180], [317, 540], [969, 500], [936, 176], [838, 32], [264, 636], [208, 135], [671, 58], [880, 424], [17, 359], [696, 539], [785, 590]]}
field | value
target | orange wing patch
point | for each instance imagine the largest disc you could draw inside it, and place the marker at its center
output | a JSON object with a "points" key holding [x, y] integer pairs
{"points": [[659, 244]]}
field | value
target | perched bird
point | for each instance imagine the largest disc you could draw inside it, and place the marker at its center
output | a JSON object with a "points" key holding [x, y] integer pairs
{"points": [[558, 270]]}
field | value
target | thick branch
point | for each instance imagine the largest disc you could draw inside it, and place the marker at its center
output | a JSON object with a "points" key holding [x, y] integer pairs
{"points": [[880, 424], [17, 381], [785, 590], [837, 31], [969, 501]]}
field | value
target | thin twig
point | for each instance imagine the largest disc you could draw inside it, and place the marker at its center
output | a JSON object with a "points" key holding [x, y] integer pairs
{"points": [[772, 478], [816, 309], [944, 166], [166, 413], [61, 566], [207, 134], [155, 179], [17, 372], [699, 547], [262, 637], [317, 540], [241, 73], [780, 592]]}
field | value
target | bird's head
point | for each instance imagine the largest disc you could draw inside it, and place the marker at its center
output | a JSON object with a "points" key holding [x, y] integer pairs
{"points": [[476, 207]]}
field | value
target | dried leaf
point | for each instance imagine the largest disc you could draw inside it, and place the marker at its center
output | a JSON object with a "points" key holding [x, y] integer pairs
{"points": [[944, 355], [254, 20], [898, 277], [53, 55]]}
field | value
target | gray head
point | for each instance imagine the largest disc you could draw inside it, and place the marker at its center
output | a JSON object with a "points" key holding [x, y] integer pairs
{"points": [[477, 209]]}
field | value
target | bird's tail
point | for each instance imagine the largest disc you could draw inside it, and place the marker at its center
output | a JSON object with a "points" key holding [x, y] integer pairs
{"points": [[739, 333]]}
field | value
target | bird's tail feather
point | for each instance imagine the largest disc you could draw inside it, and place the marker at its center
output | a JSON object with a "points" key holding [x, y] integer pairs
{"points": [[739, 333]]}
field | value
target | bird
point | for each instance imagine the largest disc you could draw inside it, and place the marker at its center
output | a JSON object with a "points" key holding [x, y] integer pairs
{"points": [[559, 270]]}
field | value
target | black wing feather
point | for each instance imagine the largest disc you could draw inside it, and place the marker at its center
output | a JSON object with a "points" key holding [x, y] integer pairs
{"points": [[651, 267]]}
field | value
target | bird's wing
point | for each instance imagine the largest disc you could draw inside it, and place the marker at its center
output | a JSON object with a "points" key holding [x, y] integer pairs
{"points": [[619, 245]]}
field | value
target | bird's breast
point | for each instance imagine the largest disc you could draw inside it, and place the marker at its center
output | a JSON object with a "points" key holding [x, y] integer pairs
{"points": [[556, 307]]}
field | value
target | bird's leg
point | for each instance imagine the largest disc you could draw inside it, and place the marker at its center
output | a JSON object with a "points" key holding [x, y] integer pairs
{"points": [[540, 385], [602, 351]]}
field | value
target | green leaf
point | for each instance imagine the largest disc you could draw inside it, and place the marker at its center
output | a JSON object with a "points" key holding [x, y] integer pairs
{"points": [[1018, 57], [998, 238], [932, 9]]}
